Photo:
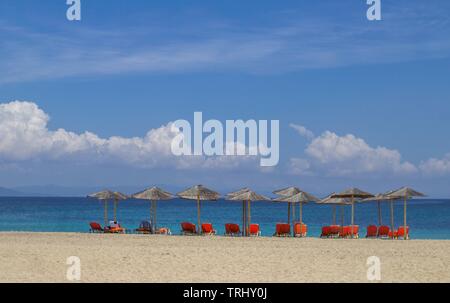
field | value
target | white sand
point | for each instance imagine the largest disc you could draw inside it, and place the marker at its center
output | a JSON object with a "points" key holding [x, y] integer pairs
{"points": [[41, 257]]}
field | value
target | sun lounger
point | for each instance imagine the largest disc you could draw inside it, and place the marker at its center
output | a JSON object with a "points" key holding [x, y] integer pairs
{"points": [[232, 230], [207, 229], [326, 232], [145, 228], [383, 232], [300, 230], [345, 232], [283, 230], [96, 228], [163, 231], [335, 231], [401, 232], [393, 234], [372, 231], [254, 230], [188, 228], [354, 231]]}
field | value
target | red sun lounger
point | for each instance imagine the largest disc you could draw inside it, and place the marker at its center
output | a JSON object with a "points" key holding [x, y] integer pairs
{"points": [[232, 230], [372, 231], [283, 230], [207, 229], [254, 230], [188, 228]]}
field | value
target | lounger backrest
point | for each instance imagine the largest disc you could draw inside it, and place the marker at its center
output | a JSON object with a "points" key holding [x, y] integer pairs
{"points": [[300, 228], [383, 231], [335, 229], [401, 231], [354, 229], [254, 229], [95, 226], [326, 230], [188, 227], [207, 227], [283, 229], [372, 230]]}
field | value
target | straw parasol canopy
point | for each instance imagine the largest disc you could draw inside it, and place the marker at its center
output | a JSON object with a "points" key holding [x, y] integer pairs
{"points": [[353, 193], [239, 192], [332, 200], [107, 195], [301, 198], [405, 193], [199, 193], [288, 192], [246, 195], [153, 194]]}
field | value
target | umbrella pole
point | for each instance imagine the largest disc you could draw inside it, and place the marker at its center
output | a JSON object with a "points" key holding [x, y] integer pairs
{"points": [[243, 218], [392, 218], [151, 214], [342, 218], [155, 215], [198, 215], [293, 213], [115, 210], [249, 217], [289, 213], [405, 236], [353, 215], [380, 222], [334, 214], [301, 219], [106, 213]]}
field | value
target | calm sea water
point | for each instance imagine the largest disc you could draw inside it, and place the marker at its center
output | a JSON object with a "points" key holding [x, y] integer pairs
{"points": [[428, 219]]}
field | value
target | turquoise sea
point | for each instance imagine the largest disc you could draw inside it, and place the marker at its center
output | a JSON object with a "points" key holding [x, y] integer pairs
{"points": [[428, 219]]}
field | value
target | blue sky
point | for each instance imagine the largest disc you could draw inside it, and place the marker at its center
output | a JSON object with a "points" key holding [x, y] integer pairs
{"points": [[130, 67]]}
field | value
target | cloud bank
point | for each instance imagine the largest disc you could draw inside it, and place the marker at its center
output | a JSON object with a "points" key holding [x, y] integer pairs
{"points": [[332, 155], [24, 136]]}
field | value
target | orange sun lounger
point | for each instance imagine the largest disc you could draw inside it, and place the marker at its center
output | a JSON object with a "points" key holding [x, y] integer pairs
{"points": [[188, 228], [207, 229], [372, 232], [300, 230], [326, 232], [283, 230], [401, 232], [232, 230], [384, 232], [254, 230], [96, 228]]}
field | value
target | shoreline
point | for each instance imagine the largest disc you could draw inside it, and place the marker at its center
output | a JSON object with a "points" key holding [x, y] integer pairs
{"points": [[214, 236], [42, 257]]}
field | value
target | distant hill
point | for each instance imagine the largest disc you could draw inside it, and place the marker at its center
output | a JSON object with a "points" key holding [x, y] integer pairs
{"points": [[6, 192]]}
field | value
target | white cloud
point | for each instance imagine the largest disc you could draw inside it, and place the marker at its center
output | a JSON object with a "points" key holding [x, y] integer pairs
{"points": [[436, 166], [335, 155], [303, 131], [24, 136], [300, 166]]}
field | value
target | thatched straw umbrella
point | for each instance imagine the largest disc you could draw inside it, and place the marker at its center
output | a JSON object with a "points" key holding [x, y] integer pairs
{"points": [[353, 193], [301, 197], [288, 192], [199, 193], [153, 195], [246, 195], [405, 193], [331, 200], [107, 195]]}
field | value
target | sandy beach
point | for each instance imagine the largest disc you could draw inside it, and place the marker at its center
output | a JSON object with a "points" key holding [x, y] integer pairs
{"points": [[41, 257]]}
